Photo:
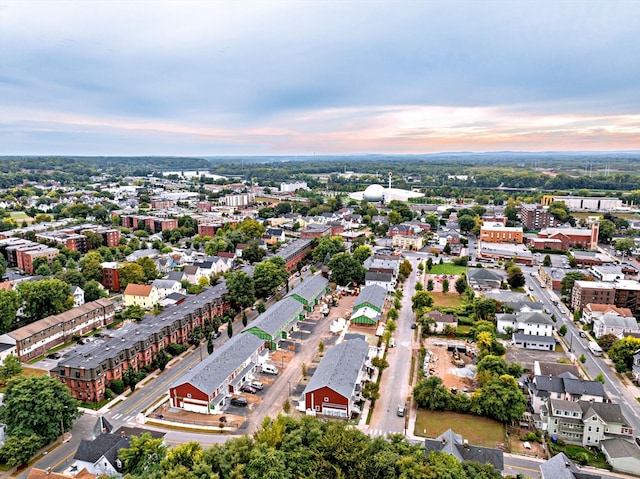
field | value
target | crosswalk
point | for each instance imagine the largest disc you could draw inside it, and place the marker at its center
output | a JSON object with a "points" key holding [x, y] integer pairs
{"points": [[381, 433], [115, 417]]}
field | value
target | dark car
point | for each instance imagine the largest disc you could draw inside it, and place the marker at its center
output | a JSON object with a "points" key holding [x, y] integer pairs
{"points": [[413, 325], [239, 401], [247, 389], [216, 334]]}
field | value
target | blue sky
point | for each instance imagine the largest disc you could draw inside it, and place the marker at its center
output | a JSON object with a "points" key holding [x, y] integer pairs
{"points": [[326, 77]]}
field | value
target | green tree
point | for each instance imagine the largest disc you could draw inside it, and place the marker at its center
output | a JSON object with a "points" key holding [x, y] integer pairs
{"points": [[566, 285], [9, 305], [563, 330], [267, 277], [431, 393], [599, 378], [91, 266], [606, 230], [361, 253], [241, 288], [494, 365], [466, 223], [445, 286], [44, 298], [606, 341], [420, 301], [500, 399], [93, 290], [327, 247], [210, 345], [430, 285], [625, 246], [245, 320], [429, 264], [11, 366], [162, 359], [149, 268], [622, 351], [131, 273], [405, 269], [547, 260], [583, 358], [18, 450], [515, 278], [143, 456], [461, 284], [229, 328], [260, 307], [40, 406], [130, 378], [253, 253], [346, 270]]}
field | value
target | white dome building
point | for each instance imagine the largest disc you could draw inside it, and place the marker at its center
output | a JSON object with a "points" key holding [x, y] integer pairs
{"points": [[374, 193]]}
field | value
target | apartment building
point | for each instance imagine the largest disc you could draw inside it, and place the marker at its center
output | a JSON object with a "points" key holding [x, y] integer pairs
{"points": [[39, 337], [89, 370], [536, 217]]}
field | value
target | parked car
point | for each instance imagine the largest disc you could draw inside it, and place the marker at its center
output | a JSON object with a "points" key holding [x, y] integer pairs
{"points": [[269, 369], [245, 388], [413, 325], [582, 334], [239, 401], [401, 411], [256, 385], [216, 334]]}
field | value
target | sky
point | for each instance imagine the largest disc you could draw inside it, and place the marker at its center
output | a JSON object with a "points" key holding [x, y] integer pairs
{"points": [[305, 77]]}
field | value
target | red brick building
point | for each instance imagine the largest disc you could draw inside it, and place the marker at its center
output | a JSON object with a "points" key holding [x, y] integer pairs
{"points": [[294, 252], [567, 238]]}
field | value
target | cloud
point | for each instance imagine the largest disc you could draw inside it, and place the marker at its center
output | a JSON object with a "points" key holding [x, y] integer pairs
{"points": [[270, 76]]}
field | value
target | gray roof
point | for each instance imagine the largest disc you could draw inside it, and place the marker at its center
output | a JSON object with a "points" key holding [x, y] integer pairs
{"points": [[535, 318], [520, 305], [92, 354], [294, 247], [591, 388], [102, 426], [176, 276], [104, 445], [561, 467], [215, 369], [164, 283], [483, 274], [310, 288], [384, 277], [533, 337], [618, 448], [451, 443], [340, 368], [372, 294], [273, 319], [555, 369], [607, 411]]}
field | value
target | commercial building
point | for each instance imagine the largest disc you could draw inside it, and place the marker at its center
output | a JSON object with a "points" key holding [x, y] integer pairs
{"points": [[295, 251], [498, 233], [585, 203]]}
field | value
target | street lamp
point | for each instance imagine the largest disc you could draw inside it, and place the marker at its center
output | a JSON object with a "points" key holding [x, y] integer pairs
{"points": [[289, 383]]}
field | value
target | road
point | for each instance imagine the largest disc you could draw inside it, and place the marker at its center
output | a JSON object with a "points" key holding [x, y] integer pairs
{"points": [[147, 394], [394, 388], [575, 346]]}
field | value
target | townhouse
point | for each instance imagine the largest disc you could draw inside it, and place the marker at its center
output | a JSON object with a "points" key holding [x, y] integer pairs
{"points": [[92, 366]]}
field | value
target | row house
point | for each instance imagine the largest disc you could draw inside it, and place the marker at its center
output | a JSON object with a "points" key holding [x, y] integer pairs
{"points": [[89, 370], [206, 388], [37, 338], [295, 251], [336, 386], [585, 423]]}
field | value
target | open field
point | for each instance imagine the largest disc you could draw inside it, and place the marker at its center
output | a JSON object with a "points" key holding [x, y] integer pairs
{"points": [[446, 268], [451, 299], [480, 431]]}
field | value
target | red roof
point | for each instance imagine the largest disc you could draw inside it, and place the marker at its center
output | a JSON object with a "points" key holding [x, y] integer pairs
{"points": [[138, 290]]}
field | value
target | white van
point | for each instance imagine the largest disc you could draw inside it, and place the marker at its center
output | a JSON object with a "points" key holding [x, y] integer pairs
{"points": [[269, 369]]}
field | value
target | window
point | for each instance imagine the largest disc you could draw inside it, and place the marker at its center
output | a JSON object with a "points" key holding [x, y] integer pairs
{"points": [[189, 395], [326, 399]]}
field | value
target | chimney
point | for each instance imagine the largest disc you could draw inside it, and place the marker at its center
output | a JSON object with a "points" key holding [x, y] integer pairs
{"points": [[465, 443], [567, 464], [444, 441]]}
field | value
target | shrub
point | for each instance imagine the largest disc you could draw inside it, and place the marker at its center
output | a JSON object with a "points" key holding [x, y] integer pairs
{"points": [[117, 386], [175, 349]]}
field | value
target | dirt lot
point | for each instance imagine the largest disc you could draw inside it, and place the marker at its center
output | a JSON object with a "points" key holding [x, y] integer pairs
{"points": [[197, 419], [442, 366]]}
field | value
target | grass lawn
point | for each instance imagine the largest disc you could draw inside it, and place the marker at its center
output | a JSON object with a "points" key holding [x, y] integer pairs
{"points": [[576, 452], [447, 268], [480, 431], [451, 299]]}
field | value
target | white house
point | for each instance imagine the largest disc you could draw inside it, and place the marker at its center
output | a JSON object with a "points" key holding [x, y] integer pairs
{"points": [[167, 286], [619, 326], [533, 323], [78, 296]]}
